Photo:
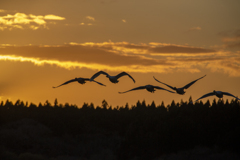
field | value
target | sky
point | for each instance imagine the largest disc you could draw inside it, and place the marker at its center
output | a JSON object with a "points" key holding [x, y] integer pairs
{"points": [[46, 43]]}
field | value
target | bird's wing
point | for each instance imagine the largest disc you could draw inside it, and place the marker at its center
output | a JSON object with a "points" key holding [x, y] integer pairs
{"points": [[72, 80], [97, 74], [123, 74], [157, 87], [164, 83], [99, 83], [229, 94], [141, 87], [189, 84], [206, 95]]}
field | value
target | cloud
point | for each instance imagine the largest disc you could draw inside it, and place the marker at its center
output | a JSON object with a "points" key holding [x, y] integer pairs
{"points": [[70, 56], [231, 39], [118, 56], [87, 21], [2, 10], [124, 21], [195, 29], [23, 21], [148, 49], [230, 66], [180, 49], [53, 17], [90, 18]]}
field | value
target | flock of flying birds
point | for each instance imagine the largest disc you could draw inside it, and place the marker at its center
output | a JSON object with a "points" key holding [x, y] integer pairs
{"points": [[150, 88]]}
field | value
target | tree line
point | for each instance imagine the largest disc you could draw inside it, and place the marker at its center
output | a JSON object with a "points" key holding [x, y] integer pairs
{"points": [[141, 130]]}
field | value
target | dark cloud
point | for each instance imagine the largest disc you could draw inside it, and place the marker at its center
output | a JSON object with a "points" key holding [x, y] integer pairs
{"points": [[179, 49], [157, 48], [233, 45], [231, 38], [230, 33], [78, 53]]}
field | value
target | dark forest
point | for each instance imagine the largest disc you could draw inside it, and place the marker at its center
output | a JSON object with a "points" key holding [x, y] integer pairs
{"points": [[143, 131]]}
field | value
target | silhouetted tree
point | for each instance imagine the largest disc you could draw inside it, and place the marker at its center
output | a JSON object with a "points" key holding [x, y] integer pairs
{"points": [[190, 101], [47, 104], [110, 107], [214, 103], [162, 104], [126, 107], [91, 106], [40, 105], [1, 103], [143, 105], [104, 104], [153, 105], [207, 104], [33, 106], [85, 106], [55, 103], [67, 105]]}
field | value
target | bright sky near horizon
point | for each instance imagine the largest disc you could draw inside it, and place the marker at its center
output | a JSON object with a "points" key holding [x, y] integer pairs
{"points": [[46, 43]]}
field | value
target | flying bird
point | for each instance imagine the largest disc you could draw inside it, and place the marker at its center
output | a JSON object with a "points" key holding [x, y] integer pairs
{"points": [[113, 79], [79, 80], [219, 94], [149, 88], [180, 90]]}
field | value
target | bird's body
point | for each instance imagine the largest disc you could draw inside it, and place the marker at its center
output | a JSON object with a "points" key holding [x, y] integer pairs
{"points": [[219, 94], [113, 79], [79, 80], [180, 90], [149, 88]]}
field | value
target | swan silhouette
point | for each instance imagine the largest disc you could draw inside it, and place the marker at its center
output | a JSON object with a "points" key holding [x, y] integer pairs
{"points": [[149, 88], [113, 79], [79, 80], [180, 90], [219, 94]]}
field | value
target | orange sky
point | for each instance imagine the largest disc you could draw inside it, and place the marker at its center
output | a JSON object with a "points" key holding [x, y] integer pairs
{"points": [[45, 43]]}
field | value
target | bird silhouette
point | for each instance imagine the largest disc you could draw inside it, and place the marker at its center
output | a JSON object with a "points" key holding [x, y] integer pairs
{"points": [[113, 79], [219, 94], [79, 80], [180, 90], [149, 88]]}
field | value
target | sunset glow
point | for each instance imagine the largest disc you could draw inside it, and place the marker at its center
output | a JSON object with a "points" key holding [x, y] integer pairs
{"points": [[175, 41]]}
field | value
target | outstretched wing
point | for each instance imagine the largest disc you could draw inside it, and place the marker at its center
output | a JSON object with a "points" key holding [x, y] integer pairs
{"points": [[72, 80], [97, 74], [141, 87], [206, 95], [164, 83], [229, 94], [99, 83], [123, 74], [163, 89], [189, 84]]}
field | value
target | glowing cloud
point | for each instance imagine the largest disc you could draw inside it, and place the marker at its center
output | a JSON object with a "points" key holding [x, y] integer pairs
{"points": [[22, 21], [72, 65], [118, 56], [53, 17], [124, 21], [195, 29], [90, 18], [2, 10]]}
